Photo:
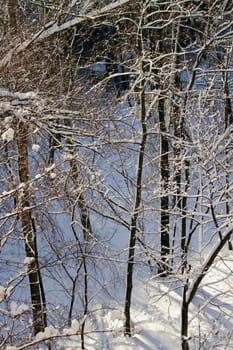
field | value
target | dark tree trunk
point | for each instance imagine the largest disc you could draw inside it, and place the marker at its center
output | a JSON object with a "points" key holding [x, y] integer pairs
{"points": [[184, 320], [35, 281], [129, 282], [164, 266], [190, 292], [134, 218], [228, 122]]}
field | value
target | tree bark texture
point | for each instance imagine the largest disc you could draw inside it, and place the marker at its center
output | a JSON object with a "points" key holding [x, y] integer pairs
{"points": [[28, 233]]}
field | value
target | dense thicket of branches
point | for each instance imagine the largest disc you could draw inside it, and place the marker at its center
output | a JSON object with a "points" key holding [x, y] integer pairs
{"points": [[116, 128]]}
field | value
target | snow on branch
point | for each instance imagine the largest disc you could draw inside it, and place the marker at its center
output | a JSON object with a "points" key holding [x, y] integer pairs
{"points": [[30, 95], [17, 310], [17, 104], [5, 292], [10, 101], [53, 28], [8, 135]]}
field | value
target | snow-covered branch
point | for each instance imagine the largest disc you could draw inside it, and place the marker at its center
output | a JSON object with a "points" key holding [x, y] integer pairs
{"points": [[52, 28]]}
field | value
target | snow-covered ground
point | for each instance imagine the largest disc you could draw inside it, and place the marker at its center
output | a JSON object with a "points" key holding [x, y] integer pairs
{"points": [[156, 315]]}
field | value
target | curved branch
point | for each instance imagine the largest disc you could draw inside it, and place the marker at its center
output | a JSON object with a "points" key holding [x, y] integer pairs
{"points": [[206, 266]]}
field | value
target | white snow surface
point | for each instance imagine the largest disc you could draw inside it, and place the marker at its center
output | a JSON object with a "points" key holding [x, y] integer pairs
{"points": [[5, 292], [29, 260], [17, 310], [35, 147], [8, 135], [156, 316], [74, 329], [49, 332]]}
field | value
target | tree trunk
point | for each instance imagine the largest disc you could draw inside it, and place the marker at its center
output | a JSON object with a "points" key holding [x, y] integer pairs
{"points": [[38, 311], [184, 245], [84, 264], [190, 292], [228, 122], [134, 217], [164, 266], [83, 209], [184, 320]]}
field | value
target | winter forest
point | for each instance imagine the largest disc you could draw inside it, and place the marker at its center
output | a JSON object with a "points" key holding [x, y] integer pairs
{"points": [[116, 174]]}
